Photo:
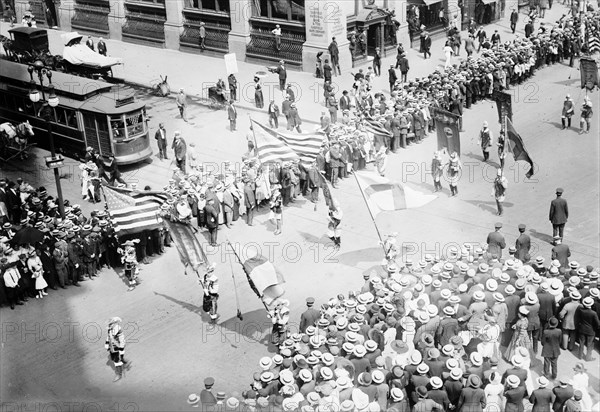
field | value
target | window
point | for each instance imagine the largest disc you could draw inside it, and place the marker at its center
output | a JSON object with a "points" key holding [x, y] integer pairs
{"points": [[157, 2], [66, 117], [135, 124], [290, 10], [211, 5], [118, 128]]}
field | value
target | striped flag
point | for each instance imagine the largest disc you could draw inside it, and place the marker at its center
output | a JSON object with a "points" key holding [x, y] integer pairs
{"points": [[264, 279], [275, 146], [375, 127], [382, 195], [133, 211], [517, 147]]}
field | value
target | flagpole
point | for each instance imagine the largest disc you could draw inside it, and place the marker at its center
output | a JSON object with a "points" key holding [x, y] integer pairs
{"points": [[244, 269], [370, 212], [237, 300]]}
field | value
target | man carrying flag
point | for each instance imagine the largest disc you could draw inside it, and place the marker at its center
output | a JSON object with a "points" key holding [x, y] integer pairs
{"points": [[516, 146], [335, 218]]}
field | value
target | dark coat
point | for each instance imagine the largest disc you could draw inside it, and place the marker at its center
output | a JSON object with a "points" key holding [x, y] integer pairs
{"points": [[561, 253], [541, 399], [392, 75], [559, 211], [285, 107], [547, 306], [519, 373], [551, 343], [514, 398], [308, 318], [180, 149], [561, 396], [496, 243], [523, 245], [212, 216], [471, 400], [453, 389], [586, 321]]}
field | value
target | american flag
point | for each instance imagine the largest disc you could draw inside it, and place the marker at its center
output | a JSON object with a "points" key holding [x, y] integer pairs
{"points": [[274, 146], [375, 127], [133, 211]]}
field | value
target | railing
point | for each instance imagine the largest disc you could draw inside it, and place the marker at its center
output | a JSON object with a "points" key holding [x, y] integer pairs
{"points": [[262, 46], [91, 17], [145, 22], [217, 30]]}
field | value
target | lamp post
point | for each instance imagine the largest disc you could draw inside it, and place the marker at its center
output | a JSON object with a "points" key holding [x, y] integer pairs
{"points": [[47, 113]]}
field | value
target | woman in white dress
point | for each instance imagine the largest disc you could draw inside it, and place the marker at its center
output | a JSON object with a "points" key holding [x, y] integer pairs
{"points": [[494, 394], [37, 272], [449, 53], [580, 382], [524, 353]]}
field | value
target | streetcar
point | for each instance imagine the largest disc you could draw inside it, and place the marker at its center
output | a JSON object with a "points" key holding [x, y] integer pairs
{"points": [[91, 113]]}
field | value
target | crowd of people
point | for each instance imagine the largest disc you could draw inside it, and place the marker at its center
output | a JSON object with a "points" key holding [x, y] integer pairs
{"points": [[468, 331], [58, 252]]}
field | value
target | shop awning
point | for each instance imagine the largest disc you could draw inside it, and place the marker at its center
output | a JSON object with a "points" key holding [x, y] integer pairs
{"points": [[488, 1], [423, 2]]}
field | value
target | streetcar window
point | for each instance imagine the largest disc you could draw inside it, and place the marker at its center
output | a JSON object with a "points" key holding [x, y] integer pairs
{"points": [[71, 118], [118, 127], [59, 113], [135, 124]]}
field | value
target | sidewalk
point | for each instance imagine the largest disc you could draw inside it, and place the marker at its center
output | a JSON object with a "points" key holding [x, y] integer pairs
{"points": [[195, 73]]}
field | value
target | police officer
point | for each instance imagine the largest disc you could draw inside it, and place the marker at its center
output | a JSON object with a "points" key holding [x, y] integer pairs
{"points": [[74, 258], [310, 316]]}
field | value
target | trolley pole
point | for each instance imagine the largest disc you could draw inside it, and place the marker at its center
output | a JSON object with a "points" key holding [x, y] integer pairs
{"points": [[47, 113]]}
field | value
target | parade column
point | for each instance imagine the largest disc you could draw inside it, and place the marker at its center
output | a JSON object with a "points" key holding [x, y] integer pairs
{"points": [[324, 20], [116, 19], [174, 23], [239, 35]]}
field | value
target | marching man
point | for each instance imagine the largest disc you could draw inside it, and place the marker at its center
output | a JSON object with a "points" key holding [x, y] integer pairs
{"points": [[211, 293], [115, 345], [335, 218], [129, 259]]}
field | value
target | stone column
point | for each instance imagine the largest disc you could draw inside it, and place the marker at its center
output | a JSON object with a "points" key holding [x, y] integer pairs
{"points": [[174, 23], [116, 19], [21, 6], [324, 20], [239, 36], [65, 10]]}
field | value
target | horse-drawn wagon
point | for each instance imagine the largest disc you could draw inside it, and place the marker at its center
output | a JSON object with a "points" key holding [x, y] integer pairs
{"points": [[14, 140]]}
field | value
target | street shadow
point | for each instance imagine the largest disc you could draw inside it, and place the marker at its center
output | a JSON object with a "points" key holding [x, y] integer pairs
{"points": [[255, 328], [355, 257], [555, 124], [541, 236], [187, 306], [488, 206], [310, 238]]}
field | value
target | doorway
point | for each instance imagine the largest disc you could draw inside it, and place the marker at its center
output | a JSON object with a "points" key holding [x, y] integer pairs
{"points": [[374, 39]]}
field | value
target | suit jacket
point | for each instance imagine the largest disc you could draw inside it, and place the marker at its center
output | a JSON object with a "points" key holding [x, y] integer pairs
{"points": [[393, 75], [231, 112], [559, 211], [273, 110], [519, 373], [471, 400], [541, 399], [282, 72], [180, 148], [285, 107], [212, 217], [561, 395], [547, 306], [344, 103], [13, 199], [561, 253], [308, 318], [514, 398], [572, 405], [496, 243], [551, 343], [523, 245], [161, 136], [333, 49], [587, 321], [567, 315]]}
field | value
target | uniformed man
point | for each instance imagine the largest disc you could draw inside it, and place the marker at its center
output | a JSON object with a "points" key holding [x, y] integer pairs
{"points": [[310, 316], [496, 241], [207, 399], [559, 213], [89, 256], [523, 245], [567, 112], [129, 259], [485, 140], [211, 293], [280, 316], [60, 256], [115, 345], [561, 252], [335, 219]]}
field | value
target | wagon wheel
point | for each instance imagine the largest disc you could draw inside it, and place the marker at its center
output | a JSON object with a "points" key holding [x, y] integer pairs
{"points": [[214, 104]]}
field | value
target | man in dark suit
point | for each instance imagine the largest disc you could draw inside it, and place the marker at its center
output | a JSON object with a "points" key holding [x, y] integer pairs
{"points": [[161, 139], [310, 316], [392, 77], [285, 108], [562, 394], [587, 323], [559, 213], [523, 245], [282, 72], [547, 305], [13, 203], [232, 116], [496, 241], [514, 18], [212, 220], [334, 53], [344, 101], [403, 65], [561, 252], [542, 397], [551, 348], [180, 149], [517, 370], [314, 182]]}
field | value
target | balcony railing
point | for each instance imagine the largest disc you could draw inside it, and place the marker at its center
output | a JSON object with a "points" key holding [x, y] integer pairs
{"points": [[91, 17], [145, 22], [262, 46], [217, 30]]}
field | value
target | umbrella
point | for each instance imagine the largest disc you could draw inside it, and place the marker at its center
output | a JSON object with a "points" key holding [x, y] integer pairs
{"points": [[28, 235]]}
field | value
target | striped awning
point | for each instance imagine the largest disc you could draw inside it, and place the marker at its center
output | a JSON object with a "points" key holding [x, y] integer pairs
{"points": [[423, 2], [488, 1]]}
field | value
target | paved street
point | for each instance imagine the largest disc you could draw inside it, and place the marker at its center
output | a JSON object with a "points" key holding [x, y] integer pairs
{"points": [[53, 350]]}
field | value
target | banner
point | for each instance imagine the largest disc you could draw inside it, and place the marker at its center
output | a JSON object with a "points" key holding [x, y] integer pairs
{"points": [[189, 247], [448, 132], [326, 192], [517, 147], [230, 63], [264, 279], [589, 73], [383, 195], [503, 104], [272, 145]]}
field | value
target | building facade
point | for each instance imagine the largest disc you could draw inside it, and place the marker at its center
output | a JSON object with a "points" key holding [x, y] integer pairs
{"points": [[245, 27]]}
